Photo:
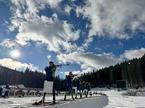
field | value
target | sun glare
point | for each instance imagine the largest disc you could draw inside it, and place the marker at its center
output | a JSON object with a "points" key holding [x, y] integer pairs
{"points": [[15, 53]]}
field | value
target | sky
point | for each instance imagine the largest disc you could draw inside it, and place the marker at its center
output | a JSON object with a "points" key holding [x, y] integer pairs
{"points": [[87, 34]]}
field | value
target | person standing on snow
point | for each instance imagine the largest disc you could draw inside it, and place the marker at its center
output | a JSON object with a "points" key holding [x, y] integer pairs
{"points": [[69, 85], [49, 82]]}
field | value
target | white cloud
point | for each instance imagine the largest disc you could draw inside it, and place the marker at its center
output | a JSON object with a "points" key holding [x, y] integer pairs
{"points": [[34, 5], [134, 53], [71, 35], [40, 31], [53, 3], [56, 35], [13, 64], [48, 57], [89, 60], [9, 43], [110, 17], [87, 42], [113, 17], [68, 9]]}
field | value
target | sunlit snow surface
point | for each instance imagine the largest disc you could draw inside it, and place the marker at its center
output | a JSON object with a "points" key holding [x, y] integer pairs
{"points": [[116, 100]]}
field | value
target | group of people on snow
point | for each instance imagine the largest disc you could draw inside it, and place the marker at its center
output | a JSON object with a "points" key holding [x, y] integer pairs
{"points": [[50, 85], [50, 80]]}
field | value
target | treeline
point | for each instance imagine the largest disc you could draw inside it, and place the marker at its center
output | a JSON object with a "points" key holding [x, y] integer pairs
{"points": [[28, 78], [31, 79], [132, 71]]}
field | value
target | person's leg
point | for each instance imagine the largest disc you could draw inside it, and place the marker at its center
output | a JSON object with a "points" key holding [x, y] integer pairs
{"points": [[76, 95], [86, 93], [66, 92], [71, 91], [53, 91], [72, 94], [43, 99], [7, 92], [80, 94], [65, 96]]}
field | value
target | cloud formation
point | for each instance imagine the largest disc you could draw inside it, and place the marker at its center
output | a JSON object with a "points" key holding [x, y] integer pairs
{"points": [[90, 60], [134, 53], [9, 43], [107, 18], [13, 64], [55, 34], [114, 18]]}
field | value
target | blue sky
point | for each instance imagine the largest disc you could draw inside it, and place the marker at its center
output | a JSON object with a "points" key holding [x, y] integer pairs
{"points": [[88, 34]]}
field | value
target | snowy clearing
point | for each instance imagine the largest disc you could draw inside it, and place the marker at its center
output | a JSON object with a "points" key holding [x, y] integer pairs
{"points": [[114, 99], [117, 100]]}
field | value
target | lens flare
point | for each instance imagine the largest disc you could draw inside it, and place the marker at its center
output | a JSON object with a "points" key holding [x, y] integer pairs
{"points": [[15, 53]]}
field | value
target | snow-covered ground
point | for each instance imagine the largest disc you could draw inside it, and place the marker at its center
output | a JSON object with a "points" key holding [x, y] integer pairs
{"points": [[26, 102], [117, 100], [114, 99]]}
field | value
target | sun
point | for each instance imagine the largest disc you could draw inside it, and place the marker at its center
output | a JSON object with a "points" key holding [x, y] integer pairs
{"points": [[15, 53]]}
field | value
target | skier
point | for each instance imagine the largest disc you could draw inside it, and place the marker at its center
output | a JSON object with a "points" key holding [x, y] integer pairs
{"points": [[78, 88], [49, 79], [69, 85]]}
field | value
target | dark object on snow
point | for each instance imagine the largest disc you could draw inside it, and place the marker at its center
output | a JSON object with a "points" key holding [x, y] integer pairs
{"points": [[1, 90], [6, 91], [121, 84], [44, 103]]}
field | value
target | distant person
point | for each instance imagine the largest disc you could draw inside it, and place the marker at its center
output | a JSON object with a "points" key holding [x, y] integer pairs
{"points": [[82, 86], [6, 91], [69, 85], [1, 90], [50, 77], [78, 84], [78, 88], [87, 88]]}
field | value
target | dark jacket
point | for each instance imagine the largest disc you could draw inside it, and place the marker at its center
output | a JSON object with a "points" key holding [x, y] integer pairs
{"points": [[50, 73]]}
